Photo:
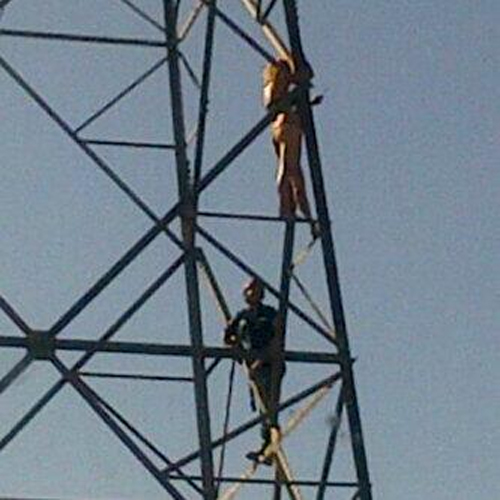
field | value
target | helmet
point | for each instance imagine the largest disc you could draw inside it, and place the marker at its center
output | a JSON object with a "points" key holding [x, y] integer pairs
{"points": [[254, 284]]}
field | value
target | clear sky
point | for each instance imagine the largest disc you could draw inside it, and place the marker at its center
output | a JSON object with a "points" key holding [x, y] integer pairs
{"points": [[409, 136]]}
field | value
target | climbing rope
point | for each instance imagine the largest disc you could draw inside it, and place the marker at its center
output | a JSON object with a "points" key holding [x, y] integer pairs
{"points": [[233, 490], [275, 448], [300, 414], [189, 23], [269, 31], [284, 469], [303, 254]]}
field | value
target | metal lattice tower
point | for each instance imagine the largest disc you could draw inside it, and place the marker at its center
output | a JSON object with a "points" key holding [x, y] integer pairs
{"points": [[195, 241]]}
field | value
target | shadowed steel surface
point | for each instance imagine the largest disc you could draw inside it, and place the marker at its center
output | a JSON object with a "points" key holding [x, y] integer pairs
{"points": [[330, 262], [187, 203]]}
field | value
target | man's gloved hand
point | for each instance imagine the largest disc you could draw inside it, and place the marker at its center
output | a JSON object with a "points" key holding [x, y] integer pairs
{"points": [[230, 336], [303, 71]]}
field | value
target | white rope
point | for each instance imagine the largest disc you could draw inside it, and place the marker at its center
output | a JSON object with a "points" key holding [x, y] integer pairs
{"points": [[270, 32], [303, 412], [193, 16], [285, 468], [302, 255], [276, 449], [231, 492]]}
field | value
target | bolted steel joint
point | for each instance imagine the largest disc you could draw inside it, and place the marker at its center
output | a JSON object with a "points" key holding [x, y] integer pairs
{"points": [[41, 345]]}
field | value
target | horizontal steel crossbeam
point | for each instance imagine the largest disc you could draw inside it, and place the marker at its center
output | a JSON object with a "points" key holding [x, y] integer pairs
{"points": [[156, 349]]}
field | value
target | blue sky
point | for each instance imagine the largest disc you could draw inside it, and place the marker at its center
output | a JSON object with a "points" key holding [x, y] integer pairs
{"points": [[409, 137]]}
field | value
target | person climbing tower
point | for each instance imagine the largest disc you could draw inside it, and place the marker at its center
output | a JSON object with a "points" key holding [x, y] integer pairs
{"points": [[286, 129], [255, 330]]}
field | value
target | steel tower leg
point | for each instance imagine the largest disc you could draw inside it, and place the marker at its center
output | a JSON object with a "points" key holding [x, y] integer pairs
{"points": [[283, 308], [188, 221], [330, 262]]}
